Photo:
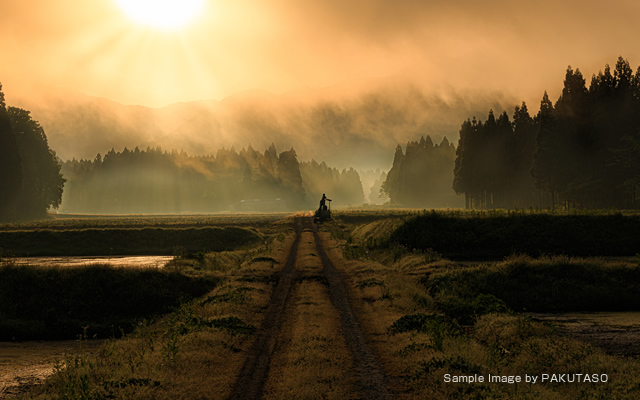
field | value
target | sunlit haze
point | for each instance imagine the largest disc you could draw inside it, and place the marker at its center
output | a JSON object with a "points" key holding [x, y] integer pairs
{"points": [[94, 48], [273, 63], [166, 14]]}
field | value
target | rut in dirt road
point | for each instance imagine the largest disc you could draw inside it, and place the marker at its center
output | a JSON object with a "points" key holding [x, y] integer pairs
{"points": [[369, 373], [271, 368], [256, 367]]}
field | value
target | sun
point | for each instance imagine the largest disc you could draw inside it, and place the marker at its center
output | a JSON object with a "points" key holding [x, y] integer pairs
{"points": [[164, 14]]}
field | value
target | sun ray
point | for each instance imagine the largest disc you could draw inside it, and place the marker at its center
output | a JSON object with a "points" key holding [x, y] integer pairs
{"points": [[163, 14]]}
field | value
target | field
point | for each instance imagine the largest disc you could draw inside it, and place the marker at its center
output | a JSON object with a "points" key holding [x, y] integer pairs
{"points": [[374, 304]]}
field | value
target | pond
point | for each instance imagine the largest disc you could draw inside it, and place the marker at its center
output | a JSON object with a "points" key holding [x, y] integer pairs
{"points": [[117, 261], [617, 333]]}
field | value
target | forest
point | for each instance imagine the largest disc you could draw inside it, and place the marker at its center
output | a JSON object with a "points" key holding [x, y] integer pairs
{"points": [[581, 152], [157, 181], [421, 176]]}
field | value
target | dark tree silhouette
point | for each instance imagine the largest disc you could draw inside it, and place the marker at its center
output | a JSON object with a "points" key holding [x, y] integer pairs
{"points": [[157, 181], [43, 183], [30, 179], [585, 152], [11, 176], [421, 176]]}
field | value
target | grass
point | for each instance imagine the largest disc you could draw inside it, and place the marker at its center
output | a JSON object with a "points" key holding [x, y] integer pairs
{"points": [[77, 221], [494, 235], [546, 284], [313, 361], [422, 314], [128, 241], [193, 352], [39, 303], [443, 317]]}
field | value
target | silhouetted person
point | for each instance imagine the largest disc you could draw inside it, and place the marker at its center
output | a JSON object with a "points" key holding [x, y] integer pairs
{"points": [[323, 202]]}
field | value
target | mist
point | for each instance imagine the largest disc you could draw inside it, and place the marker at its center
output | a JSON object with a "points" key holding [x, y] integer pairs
{"points": [[345, 126], [338, 83]]}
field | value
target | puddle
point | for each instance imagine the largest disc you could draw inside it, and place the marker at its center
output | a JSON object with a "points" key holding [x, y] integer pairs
{"points": [[123, 261], [617, 333]]}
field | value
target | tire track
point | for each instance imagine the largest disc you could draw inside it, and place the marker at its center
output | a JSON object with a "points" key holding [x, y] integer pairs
{"points": [[373, 382], [255, 369]]}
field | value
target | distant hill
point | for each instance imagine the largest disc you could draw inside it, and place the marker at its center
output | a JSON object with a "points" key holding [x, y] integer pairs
{"points": [[342, 125]]}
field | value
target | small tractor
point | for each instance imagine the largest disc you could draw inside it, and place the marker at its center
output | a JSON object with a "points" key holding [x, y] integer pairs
{"points": [[323, 213]]}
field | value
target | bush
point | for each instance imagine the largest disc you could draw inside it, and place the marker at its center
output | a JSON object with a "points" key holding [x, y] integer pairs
{"points": [[497, 236], [547, 284], [57, 302], [119, 241]]}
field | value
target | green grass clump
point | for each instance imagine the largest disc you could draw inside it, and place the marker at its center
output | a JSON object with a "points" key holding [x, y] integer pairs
{"points": [[465, 311], [494, 235], [547, 284], [134, 241], [59, 302], [497, 236]]}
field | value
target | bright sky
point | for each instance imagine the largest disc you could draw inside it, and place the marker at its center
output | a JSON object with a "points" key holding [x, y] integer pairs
{"points": [[97, 48]]}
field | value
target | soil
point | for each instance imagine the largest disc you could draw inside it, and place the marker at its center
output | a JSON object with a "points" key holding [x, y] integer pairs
{"points": [[253, 374], [368, 375], [367, 369]]}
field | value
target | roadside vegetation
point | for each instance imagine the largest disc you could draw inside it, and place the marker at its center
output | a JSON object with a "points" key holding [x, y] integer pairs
{"points": [[187, 329], [49, 303], [476, 235], [130, 241], [63, 221], [423, 315], [428, 316]]}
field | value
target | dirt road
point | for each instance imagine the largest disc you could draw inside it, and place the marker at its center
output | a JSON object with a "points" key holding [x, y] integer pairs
{"points": [[310, 344]]}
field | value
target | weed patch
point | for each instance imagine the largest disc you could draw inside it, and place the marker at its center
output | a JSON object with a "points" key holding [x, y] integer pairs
{"points": [[130, 241], [546, 284], [57, 302]]}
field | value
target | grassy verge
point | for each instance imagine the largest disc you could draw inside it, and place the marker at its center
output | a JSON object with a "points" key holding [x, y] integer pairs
{"points": [[194, 352], [130, 241], [547, 284], [40, 303], [427, 318], [458, 235]]}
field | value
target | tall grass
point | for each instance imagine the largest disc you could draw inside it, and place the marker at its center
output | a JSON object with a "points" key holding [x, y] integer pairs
{"points": [[494, 235], [194, 352], [557, 283], [130, 241], [442, 317], [61, 302]]}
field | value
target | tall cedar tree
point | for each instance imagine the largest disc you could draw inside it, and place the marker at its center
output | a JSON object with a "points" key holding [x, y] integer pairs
{"points": [[421, 176], [585, 154]]}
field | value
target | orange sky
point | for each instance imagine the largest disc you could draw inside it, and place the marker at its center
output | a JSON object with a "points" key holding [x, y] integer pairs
{"points": [[519, 47]]}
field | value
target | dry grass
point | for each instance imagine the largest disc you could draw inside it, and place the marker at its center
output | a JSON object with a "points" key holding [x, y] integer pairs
{"points": [[386, 288], [195, 353]]}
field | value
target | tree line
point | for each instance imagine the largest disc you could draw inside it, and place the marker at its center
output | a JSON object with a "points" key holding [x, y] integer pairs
{"points": [[30, 178], [158, 181], [421, 175], [582, 151], [344, 185]]}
